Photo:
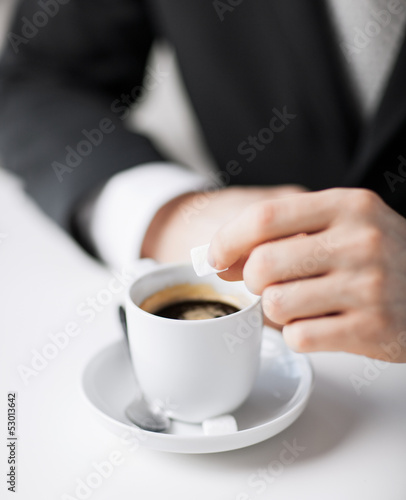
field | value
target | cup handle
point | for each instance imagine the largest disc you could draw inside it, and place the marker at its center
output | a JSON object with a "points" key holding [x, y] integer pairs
{"points": [[123, 321]]}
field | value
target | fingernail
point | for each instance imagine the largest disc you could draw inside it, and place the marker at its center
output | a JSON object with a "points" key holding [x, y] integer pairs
{"points": [[212, 263]]}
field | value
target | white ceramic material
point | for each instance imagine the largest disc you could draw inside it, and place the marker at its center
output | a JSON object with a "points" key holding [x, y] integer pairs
{"points": [[197, 369], [280, 394]]}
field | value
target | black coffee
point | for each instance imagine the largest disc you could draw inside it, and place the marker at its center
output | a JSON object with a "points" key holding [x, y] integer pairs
{"points": [[196, 309]]}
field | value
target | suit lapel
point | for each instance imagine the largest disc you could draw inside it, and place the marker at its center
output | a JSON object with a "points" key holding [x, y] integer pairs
{"points": [[328, 65], [387, 120]]}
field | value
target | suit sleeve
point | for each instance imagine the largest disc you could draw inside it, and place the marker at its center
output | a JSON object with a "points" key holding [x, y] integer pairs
{"points": [[67, 74]]}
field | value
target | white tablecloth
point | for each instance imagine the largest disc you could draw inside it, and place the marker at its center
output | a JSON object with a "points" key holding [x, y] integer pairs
{"points": [[354, 444]]}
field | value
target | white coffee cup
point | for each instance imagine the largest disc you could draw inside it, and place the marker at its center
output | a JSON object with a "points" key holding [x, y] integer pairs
{"points": [[196, 369]]}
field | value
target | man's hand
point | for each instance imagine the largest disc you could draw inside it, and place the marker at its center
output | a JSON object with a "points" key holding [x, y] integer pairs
{"points": [[192, 219], [330, 266]]}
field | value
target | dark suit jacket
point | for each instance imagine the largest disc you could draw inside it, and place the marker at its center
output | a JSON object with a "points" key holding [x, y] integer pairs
{"points": [[239, 63]]}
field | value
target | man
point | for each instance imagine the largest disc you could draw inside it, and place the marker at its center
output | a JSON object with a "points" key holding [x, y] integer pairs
{"points": [[286, 95]]}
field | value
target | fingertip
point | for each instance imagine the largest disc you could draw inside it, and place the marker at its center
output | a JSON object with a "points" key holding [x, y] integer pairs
{"points": [[232, 274], [235, 271], [210, 258], [215, 260], [294, 338]]}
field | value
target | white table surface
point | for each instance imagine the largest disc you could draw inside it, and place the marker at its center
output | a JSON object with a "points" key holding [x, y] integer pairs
{"points": [[355, 445]]}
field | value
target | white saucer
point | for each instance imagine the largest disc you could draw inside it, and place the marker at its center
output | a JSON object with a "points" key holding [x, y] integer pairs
{"points": [[279, 396]]}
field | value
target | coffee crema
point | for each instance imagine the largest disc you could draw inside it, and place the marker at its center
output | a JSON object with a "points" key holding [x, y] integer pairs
{"points": [[190, 302]]}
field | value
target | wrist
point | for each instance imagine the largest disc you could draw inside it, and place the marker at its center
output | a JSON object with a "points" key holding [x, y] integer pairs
{"points": [[163, 239]]}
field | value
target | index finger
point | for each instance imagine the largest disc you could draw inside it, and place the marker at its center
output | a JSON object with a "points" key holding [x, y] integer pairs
{"points": [[270, 220]]}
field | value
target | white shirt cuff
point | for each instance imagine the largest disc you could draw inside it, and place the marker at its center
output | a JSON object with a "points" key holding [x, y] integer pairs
{"points": [[122, 211]]}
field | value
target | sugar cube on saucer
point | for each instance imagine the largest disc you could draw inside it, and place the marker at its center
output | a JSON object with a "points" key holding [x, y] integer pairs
{"points": [[225, 424]]}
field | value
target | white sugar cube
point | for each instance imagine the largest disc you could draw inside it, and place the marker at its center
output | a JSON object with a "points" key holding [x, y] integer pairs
{"points": [[225, 424], [200, 262]]}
